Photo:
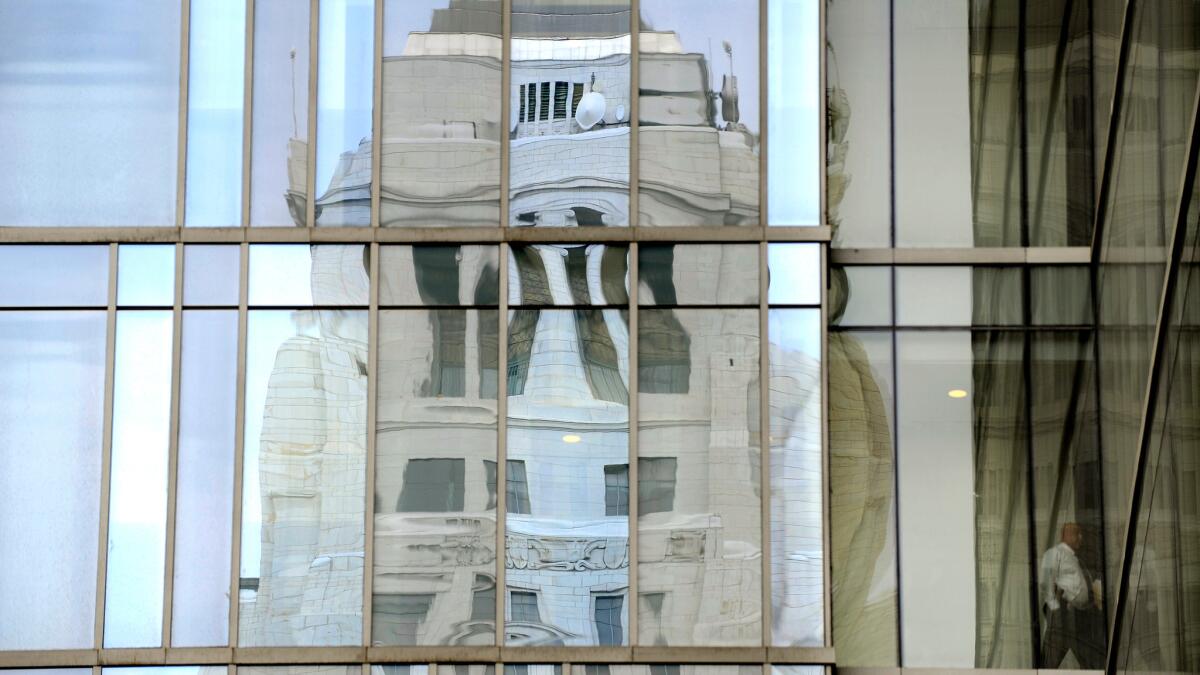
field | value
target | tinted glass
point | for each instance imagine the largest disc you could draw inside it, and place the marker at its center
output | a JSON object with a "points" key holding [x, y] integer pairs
{"points": [[698, 274], [49, 276], [697, 161], [565, 367], [299, 274], [345, 86], [441, 114], [698, 397], [211, 274], [216, 64], [51, 429], [439, 275], [435, 478], [204, 484], [90, 94], [137, 510], [279, 142], [797, 476], [934, 296], [303, 478], [569, 114], [146, 275], [860, 296], [595, 274], [794, 109]]}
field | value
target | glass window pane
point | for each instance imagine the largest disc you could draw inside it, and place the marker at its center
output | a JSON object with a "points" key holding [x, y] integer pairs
{"points": [[303, 478], [216, 64], [51, 428], [1060, 296], [441, 114], [439, 275], [300, 670], [146, 275], [137, 510], [299, 274], [934, 296], [204, 485], [795, 274], [90, 93], [860, 296], [797, 529], [698, 274], [858, 35], [587, 274], [568, 418], [345, 87], [699, 562], [50, 276], [862, 515], [166, 670], [414, 669], [697, 162], [279, 142], [569, 151], [435, 463], [211, 274], [795, 158]]}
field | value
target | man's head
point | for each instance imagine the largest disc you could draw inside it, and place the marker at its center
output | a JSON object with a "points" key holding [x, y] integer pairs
{"points": [[1072, 535]]}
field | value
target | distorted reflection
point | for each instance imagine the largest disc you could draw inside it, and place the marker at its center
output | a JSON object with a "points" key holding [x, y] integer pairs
{"points": [[593, 274], [797, 524], [440, 163], [428, 276], [699, 477], [567, 547], [698, 274], [569, 113], [698, 148], [667, 669], [435, 478], [304, 466]]}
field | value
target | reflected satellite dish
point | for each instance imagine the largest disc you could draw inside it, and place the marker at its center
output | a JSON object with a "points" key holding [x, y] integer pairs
{"points": [[591, 110]]}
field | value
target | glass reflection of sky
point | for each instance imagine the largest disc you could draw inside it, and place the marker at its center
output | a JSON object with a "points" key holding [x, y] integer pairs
{"points": [[795, 274]]}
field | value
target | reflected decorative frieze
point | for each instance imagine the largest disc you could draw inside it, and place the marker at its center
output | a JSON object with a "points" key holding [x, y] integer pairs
{"points": [[566, 555]]}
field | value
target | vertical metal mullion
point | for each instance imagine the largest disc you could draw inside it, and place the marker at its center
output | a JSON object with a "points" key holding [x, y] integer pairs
{"points": [[239, 443], [505, 142], [764, 442], [501, 441], [173, 449], [314, 46], [632, 472], [893, 333], [106, 445], [372, 403], [247, 110], [1157, 366], [826, 454], [185, 18], [635, 86], [377, 123]]}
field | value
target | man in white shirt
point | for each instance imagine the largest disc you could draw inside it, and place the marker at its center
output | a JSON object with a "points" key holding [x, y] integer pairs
{"points": [[1071, 604]]}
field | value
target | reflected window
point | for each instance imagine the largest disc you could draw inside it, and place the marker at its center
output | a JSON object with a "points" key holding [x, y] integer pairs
{"points": [[432, 485], [524, 606], [483, 598], [656, 485], [616, 490], [516, 488], [397, 618], [608, 619]]}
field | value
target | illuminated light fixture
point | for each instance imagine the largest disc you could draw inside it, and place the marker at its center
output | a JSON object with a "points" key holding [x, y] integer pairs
{"points": [[957, 393], [571, 438]]}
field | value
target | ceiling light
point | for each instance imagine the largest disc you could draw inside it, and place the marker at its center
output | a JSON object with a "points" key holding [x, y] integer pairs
{"points": [[957, 393], [571, 438]]}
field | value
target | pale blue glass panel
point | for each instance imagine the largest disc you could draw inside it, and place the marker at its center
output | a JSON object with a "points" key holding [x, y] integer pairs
{"points": [[279, 144], [345, 86], [211, 273], [797, 532], [204, 486], [167, 670], [89, 112], [51, 428], [146, 275], [304, 479], [137, 509], [32, 276], [299, 275], [795, 277], [794, 159], [216, 63]]}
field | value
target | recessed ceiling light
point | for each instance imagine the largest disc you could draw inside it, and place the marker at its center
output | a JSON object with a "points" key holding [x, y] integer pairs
{"points": [[571, 438], [957, 393]]}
